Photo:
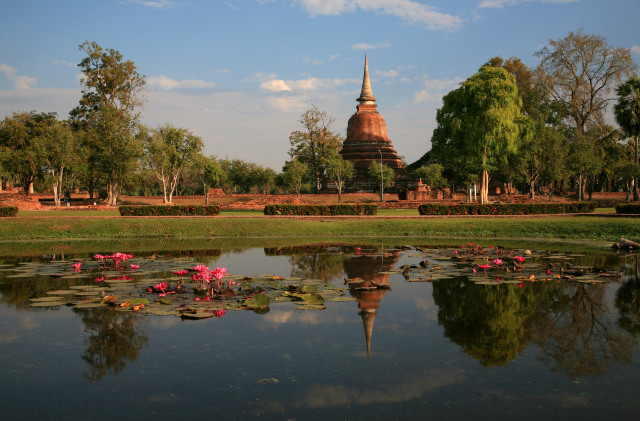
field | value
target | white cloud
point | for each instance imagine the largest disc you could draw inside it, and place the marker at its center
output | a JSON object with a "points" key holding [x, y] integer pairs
{"points": [[368, 47], [435, 89], [407, 10], [389, 73], [310, 84], [498, 4], [157, 4], [635, 49], [65, 62], [19, 81], [166, 84]]}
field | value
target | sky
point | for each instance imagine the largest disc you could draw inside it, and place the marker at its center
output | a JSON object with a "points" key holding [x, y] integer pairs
{"points": [[240, 73]]}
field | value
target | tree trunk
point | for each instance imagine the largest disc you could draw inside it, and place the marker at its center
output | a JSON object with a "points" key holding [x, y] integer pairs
{"points": [[532, 189], [484, 188], [636, 195]]}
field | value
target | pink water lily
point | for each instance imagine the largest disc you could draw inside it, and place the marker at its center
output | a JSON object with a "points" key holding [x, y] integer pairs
{"points": [[519, 259], [201, 268], [219, 313], [76, 265], [497, 262], [134, 267]]}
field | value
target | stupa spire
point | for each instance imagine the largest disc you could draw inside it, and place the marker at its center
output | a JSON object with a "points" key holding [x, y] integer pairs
{"points": [[366, 95]]}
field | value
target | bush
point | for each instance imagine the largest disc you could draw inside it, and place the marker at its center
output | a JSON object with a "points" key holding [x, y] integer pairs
{"points": [[628, 208], [8, 211], [183, 210], [505, 208], [329, 210]]}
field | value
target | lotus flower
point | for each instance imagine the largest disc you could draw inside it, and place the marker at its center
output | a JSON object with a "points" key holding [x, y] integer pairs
{"points": [[134, 267], [219, 313], [76, 266], [519, 259], [201, 268], [497, 262]]}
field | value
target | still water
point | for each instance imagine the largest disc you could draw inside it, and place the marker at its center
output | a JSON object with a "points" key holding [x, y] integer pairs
{"points": [[413, 334]]}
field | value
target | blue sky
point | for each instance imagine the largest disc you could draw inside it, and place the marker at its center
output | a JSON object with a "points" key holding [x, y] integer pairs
{"points": [[239, 73]]}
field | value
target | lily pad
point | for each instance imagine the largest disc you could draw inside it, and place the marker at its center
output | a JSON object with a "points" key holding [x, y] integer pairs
{"points": [[196, 316]]}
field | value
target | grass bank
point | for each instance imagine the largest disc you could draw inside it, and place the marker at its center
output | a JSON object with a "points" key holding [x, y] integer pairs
{"points": [[67, 226]]}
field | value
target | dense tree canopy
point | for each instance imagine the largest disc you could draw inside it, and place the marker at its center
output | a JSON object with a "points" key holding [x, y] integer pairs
{"points": [[479, 124]]}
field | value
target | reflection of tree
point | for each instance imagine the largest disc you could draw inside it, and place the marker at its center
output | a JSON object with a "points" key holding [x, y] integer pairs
{"points": [[628, 302], [317, 266], [112, 340], [577, 333], [489, 323]]}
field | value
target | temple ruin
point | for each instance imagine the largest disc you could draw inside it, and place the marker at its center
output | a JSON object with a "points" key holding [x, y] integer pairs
{"points": [[367, 142]]}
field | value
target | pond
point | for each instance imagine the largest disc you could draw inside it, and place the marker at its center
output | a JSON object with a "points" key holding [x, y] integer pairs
{"points": [[321, 332]]}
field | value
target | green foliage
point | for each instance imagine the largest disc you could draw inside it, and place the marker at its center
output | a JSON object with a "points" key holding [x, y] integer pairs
{"points": [[295, 172], [328, 210], [479, 124], [505, 208], [381, 173], [431, 175], [628, 208], [8, 211], [339, 170], [186, 210], [315, 143]]}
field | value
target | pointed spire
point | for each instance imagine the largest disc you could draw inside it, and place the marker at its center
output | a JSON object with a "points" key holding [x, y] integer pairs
{"points": [[366, 95]]}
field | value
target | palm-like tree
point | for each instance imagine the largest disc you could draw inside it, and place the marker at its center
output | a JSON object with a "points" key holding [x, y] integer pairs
{"points": [[627, 112]]}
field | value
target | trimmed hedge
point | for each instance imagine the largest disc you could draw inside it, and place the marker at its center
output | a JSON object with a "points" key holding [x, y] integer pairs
{"points": [[8, 211], [505, 208], [628, 208], [329, 210], [163, 210]]}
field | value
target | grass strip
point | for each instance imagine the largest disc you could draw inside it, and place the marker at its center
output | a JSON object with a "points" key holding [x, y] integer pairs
{"points": [[66, 227]]}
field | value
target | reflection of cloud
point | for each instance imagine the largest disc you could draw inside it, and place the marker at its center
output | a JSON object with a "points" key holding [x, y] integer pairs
{"points": [[565, 399], [325, 396], [164, 322], [279, 316], [16, 330]]}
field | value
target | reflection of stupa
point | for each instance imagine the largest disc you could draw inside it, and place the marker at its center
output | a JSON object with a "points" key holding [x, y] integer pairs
{"points": [[367, 268], [367, 142]]}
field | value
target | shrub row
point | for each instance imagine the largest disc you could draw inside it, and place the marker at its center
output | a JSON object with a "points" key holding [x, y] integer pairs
{"points": [[332, 210], [8, 211], [628, 208], [504, 208], [161, 210]]}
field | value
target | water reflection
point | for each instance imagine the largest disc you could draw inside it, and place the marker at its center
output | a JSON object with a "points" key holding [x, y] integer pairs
{"points": [[114, 338], [373, 285]]}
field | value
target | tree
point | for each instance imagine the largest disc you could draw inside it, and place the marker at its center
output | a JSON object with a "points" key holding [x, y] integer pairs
{"points": [[315, 143], [339, 170], [431, 175], [383, 176], [108, 111], [294, 174], [627, 112], [168, 150], [479, 123], [212, 175], [19, 136], [59, 149]]}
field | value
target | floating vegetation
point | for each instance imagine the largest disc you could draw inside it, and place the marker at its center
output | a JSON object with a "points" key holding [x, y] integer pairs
{"points": [[169, 287]]}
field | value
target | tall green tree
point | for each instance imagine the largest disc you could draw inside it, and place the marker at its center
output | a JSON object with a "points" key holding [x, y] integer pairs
{"points": [[19, 136], [294, 174], [579, 72], [339, 170], [168, 150], [627, 112], [112, 93], [59, 149], [479, 123], [315, 143], [383, 176]]}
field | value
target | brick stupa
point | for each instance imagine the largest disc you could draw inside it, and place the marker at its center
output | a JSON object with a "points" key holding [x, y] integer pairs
{"points": [[367, 142]]}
